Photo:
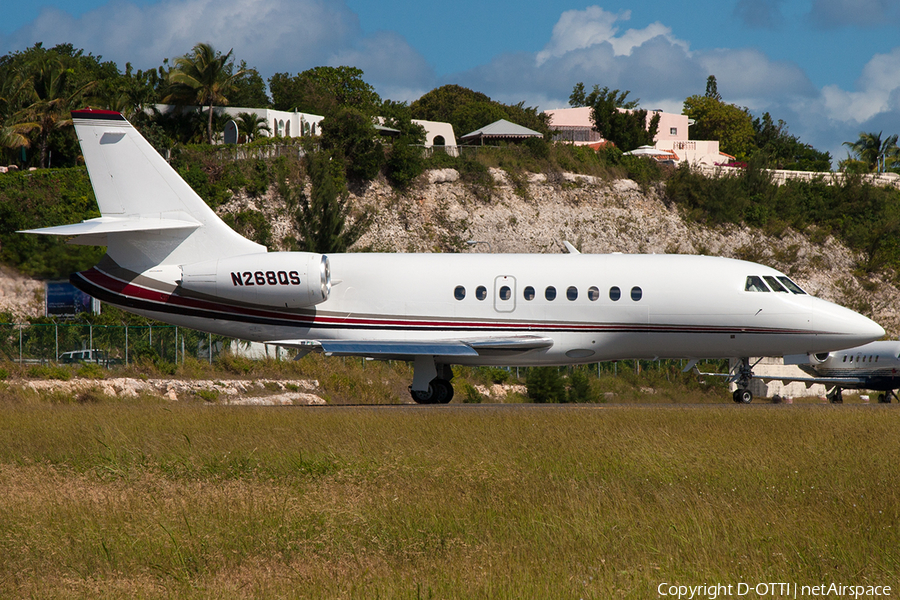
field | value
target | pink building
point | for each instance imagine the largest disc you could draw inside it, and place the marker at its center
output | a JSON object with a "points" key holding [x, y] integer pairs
{"points": [[574, 125]]}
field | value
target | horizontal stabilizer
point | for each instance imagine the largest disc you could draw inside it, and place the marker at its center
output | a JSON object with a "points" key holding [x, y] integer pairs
{"points": [[94, 231]]}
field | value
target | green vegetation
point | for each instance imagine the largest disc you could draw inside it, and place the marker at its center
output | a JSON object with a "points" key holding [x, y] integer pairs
{"points": [[863, 216], [147, 498], [468, 110], [628, 128]]}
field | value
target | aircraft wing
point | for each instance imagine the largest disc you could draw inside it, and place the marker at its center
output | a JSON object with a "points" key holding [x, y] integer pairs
{"points": [[844, 382], [409, 349]]}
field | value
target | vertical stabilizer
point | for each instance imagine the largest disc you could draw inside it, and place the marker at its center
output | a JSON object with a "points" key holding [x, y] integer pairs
{"points": [[150, 215]]}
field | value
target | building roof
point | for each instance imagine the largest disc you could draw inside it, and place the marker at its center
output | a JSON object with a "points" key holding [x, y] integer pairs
{"points": [[501, 129]]}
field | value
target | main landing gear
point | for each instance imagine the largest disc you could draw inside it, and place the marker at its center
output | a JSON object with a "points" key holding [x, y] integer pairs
{"points": [[835, 396], [885, 398], [431, 382]]}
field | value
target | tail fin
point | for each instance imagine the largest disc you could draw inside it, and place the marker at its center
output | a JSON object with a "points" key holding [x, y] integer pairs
{"points": [[150, 215]]}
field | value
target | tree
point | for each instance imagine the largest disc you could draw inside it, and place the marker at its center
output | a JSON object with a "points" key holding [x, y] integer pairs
{"points": [[351, 135], [249, 89], [715, 120], [467, 110], [781, 150], [204, 77], [578, 98], [322, 215], [405, 161], [324, 90], [251, 125], [870, 149], [712, 88], [545, 385], [52, 99], [615, 118]]}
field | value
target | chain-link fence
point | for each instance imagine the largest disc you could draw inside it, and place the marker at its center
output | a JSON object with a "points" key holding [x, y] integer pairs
{"points": [[107, 344]]}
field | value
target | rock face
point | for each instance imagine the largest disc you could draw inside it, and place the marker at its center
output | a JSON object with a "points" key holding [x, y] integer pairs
{"points": [[232, 391]]}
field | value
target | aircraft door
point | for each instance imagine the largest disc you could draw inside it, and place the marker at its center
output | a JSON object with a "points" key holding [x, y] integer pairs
{"points": [[505, 293]]}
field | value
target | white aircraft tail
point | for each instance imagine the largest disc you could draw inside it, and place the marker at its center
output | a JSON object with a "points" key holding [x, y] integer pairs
{"points": [[149, 215]]}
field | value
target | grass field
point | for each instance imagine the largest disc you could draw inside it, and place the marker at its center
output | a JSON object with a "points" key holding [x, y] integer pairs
{"points": [[152, 499]]}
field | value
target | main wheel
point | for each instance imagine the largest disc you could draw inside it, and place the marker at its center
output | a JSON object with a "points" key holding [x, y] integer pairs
{"points": [[743, 396], [439, 391]]}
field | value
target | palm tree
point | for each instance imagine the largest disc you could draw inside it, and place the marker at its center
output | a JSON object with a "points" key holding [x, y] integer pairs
{"points": [[15, 136], [251, 125], [51, 100], [203, 77], [870, 148]]}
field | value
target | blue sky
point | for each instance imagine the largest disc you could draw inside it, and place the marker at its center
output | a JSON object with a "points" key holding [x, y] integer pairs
{"points": [[829, 68]]}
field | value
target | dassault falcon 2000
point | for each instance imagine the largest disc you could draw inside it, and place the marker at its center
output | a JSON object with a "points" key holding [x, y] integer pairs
{"points": [[874, 366], [169, 257]]}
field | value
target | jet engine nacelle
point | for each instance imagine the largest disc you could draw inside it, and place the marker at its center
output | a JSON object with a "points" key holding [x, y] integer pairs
{"points": [[806, 359], [276, 279]]}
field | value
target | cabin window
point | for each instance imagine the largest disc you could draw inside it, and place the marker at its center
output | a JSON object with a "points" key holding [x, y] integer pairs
{"points": [[593, 293], [773, 283], [481, 292], [505, 292], [615, 293], [572, 293], [528, 293], [845, 359], [791, 285], [459, 292], [755, 284], [636, 293], [550, 293]]}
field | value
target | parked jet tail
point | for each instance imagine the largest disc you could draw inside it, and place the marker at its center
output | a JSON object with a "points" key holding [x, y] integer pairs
{"points": [[150, 216]]}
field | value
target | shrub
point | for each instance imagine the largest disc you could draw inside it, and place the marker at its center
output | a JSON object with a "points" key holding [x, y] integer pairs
{"points": [[545, 385]]}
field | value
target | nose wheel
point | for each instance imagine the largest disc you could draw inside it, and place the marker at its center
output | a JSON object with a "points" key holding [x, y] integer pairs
{"points": [[742, 377], [743, 396]]}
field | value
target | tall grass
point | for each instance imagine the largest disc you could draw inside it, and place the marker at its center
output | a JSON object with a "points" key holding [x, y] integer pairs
{"points": [[151, 499]]}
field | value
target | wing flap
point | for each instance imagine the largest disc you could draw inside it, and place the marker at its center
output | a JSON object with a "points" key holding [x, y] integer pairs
{"points": [[409, 349]]}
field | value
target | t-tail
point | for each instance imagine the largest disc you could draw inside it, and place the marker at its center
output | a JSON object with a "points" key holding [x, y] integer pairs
{"points": [[149, 216], [164, 245]]}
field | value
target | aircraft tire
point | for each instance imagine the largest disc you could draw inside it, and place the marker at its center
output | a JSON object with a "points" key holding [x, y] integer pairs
{"points": [[440, 391], [743, 396]]}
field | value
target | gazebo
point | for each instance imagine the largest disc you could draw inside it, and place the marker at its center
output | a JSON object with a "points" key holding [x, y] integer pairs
{"points": [[500, 130]]}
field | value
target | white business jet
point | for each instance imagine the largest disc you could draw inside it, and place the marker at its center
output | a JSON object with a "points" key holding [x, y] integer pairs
{"points": [[169, 257], [874, 366]]}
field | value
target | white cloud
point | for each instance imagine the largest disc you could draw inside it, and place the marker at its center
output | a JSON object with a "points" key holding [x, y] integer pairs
{"points": [[271, 35], [877, 90], [593, 26]]}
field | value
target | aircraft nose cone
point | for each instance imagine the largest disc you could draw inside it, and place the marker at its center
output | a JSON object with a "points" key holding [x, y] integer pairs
{"points": [[845, 325]]}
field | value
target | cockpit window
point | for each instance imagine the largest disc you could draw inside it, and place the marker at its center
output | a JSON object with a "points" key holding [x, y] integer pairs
{"points": [[755, 284], [773, 283], [790, 285]]}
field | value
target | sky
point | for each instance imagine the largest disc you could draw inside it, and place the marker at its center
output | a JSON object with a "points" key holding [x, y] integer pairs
{"points": [[829, 68]]}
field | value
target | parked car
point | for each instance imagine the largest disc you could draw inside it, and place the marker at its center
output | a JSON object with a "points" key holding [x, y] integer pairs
{"points": [[87, 356]]}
